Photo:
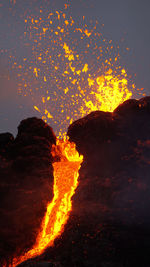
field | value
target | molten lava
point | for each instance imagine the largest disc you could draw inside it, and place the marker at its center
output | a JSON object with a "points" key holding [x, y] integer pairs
{"points": [[72, 71], [66, 172]]}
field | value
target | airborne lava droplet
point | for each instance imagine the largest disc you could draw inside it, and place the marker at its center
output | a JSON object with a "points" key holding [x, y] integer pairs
{"points": [[72, 70]]}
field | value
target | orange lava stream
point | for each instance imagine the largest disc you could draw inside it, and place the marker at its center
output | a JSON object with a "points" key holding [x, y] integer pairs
{"points": [[65, 182]]}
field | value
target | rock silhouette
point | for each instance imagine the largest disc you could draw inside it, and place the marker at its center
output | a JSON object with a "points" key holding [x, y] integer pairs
{"points": [[109, 224], [26, 185], [110, 221], [116, 149]]}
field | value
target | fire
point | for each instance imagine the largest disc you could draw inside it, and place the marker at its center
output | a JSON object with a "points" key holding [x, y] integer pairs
{"points": [[66, 172]]}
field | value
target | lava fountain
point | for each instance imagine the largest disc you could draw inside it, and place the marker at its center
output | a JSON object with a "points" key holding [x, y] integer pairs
{"points": [[81, 82], [72, 70], [66, 173]]}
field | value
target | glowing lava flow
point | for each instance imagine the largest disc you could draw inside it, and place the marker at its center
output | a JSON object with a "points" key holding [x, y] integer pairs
{"points": [[65, 182]]}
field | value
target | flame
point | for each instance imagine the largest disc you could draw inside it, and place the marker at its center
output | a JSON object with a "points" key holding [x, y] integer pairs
{"points": [[66, 173]]}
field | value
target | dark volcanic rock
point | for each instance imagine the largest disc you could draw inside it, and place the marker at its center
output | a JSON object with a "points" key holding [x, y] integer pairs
{"points": [[109, 225], [116, 170], [36, 127], [32, 263], [110, 221], [33, 134], [103, 128], [6, 139], [26, 183]]}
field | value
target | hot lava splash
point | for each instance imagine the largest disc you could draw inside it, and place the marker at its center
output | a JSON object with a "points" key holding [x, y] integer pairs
{"points": [[72, 69], [66, 172]]}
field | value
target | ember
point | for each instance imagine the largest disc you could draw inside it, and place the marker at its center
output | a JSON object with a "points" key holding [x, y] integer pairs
{"points": [[64, 82]]}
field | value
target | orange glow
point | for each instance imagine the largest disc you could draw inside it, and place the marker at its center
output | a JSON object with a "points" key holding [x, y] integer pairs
{"points": [[66, 172], [73, 70], [110, 91]]}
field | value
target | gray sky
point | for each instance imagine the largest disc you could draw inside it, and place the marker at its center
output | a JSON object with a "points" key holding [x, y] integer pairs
{"points": [[126, 22]]}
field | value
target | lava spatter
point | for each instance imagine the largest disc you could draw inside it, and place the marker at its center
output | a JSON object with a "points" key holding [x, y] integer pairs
{"points": [[72, 70]]}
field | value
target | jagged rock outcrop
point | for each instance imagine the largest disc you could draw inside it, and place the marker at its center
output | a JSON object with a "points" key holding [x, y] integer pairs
{"points": [[110, 221], [6, 139], [26, 185], [116, 169]]}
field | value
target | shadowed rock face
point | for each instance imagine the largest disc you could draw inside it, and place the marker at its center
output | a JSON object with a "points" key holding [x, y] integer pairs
{"points": [[114, 178], [110, 221], [26, 183], [6, 139]]}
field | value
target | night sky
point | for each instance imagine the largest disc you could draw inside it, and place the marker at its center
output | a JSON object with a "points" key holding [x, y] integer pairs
{"points": [[126, 22]]}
